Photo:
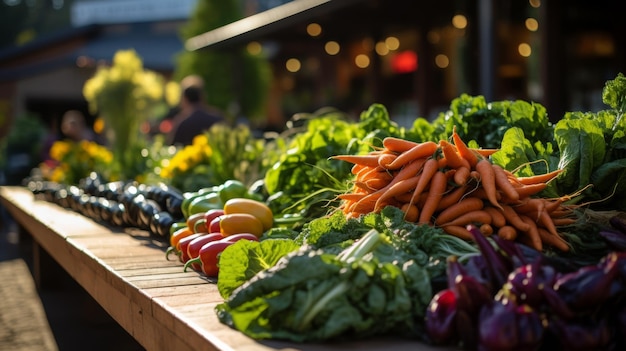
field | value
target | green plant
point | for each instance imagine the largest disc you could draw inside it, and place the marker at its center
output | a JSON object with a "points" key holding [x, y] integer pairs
{"points": [[125, 94]]}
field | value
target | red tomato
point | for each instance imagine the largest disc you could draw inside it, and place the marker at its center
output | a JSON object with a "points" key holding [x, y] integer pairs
{"points": [[193, 249], [210, 215], [236, 237], [210, 255], [183, 244]]}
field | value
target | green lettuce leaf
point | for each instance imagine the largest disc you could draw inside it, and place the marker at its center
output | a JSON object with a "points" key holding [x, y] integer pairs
{"points": [[311, 295], [242, 260], [582, 146]]}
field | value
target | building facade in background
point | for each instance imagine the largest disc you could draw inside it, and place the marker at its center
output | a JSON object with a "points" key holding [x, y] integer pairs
{"points": [[412, 56]]}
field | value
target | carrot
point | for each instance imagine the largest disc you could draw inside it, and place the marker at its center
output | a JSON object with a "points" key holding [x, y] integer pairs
{"points": [[486, 229], [507, 232], [397, 188], [463, 150], [482, 194], [422, 150], [497, 218], [366, 204], [555, 241], [539, 178], [357, 168], [351, 196], [411, 212], [514, 219], [422, 199], [532, 233], [410, 170], [504, 185], [442, 162], [448, 172], [385, 159], [545, 220], [532, 206], [438, 185], [369, 201], [369, 172], [372, 184], [474, 175], [565, 221], [404, 198], [476, 216], [398, 144], [450, 153], [368, 160], [488, 181], [485, 152], [461, 175], [428, 171], [468, 204], [552, 205], [451, 197], [458, 231], [561, 211], [530, 189]]}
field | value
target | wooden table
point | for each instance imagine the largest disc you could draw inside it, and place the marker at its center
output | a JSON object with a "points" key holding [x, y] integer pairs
{"points": [[152, 298]]}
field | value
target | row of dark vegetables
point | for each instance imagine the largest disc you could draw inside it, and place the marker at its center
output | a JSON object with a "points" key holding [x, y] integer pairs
{"points": [[508, 298], [514, 298], [153, 208]]}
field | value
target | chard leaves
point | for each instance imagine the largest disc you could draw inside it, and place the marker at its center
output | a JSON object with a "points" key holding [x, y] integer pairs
{"points": [[244, 259], [310, 295]]}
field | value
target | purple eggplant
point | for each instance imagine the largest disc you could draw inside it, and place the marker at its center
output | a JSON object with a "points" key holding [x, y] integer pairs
{"points": [[471, 296], [614, 238], [507, 326], [528, 282], [498, 266], [441, 318], [581, 334], [586, 288], [617, 261]]}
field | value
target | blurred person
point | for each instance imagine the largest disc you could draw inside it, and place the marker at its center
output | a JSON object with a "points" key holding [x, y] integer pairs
{"points": [[194, 116], [74, 127]]}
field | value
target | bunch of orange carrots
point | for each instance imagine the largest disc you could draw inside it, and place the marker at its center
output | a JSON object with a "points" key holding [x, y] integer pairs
{"points": [[450, 185]]}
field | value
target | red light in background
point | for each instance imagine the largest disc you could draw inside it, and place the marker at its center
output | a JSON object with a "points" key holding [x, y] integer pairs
{"points": [[404, 62], [165, 126]]}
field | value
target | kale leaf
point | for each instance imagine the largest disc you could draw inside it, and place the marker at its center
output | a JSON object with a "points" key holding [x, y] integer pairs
{"points": [[313, 295]]}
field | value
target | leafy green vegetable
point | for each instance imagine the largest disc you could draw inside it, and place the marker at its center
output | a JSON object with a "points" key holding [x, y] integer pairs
{"points": [[304, 180], [614, 94], [486, 123], [593, 148], [311, 295], [525, 159], [242, 260], [581, 141], [429, 246]]}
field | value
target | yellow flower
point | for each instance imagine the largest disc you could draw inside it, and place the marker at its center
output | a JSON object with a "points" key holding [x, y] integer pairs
{"points": [[200, 140], [98, 125], [59, 149], [172, 93]]}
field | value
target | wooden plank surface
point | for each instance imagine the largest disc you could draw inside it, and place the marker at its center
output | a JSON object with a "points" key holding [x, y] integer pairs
{"points": [[127, 273]]}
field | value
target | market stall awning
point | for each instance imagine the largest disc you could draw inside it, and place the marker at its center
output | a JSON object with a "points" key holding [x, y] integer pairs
{"points": [[266, 22]]}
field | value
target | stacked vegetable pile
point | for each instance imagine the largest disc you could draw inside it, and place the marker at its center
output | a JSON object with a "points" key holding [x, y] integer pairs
{"points": [[504, 299], [488, 215], [452, 186]]}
